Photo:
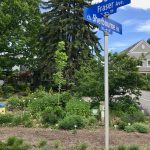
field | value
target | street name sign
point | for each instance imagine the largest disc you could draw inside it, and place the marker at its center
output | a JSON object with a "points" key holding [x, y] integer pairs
{"points": [[98, 15], [108, 7], [103, 23]]}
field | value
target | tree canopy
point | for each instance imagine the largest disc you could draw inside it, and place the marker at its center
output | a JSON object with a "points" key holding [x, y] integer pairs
{"points": [[19, 27], [63, 21], [124, 77]]}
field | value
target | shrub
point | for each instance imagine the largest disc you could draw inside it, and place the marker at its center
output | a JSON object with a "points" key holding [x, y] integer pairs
{"points": [[52, 115], [137, 116], [90, 121], [140, 127], [78, 107], [121, 147], [42, 143], [57, 145], [8, 90], [134, 148], [26, 119], [38, 103], [6, 118], [129, 129], [17, 120], [64, 98], [122, 124], [71, 122], [14, 143], [15, 102], [49, 117], [82, 146]]}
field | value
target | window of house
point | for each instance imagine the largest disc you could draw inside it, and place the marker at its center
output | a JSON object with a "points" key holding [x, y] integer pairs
{"points": [[148, 63], [140, 63]]}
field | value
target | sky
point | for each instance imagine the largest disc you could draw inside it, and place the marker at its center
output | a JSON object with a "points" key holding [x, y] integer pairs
{"points": [[135, 20]]}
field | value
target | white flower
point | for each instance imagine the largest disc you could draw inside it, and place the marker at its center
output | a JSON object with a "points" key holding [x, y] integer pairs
{"points": [[129, 124], [75, 126]]}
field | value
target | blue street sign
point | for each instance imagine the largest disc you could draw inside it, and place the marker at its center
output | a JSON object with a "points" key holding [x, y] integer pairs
{"points": [[107, 7], [103, 23]]}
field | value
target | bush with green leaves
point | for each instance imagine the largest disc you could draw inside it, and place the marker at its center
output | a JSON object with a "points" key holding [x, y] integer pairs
{"points": [[133, 117], [6, 119], [52, 115], [122, 147], [78, 107], [65, 97], [8, 90], [15, 103], [141, 127], [121, 125], [134, 148], [82, 146], [13, 143], [129, 128], [71, 122]]}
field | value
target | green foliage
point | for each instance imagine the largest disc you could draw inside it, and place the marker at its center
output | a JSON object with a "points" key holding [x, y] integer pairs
{"points": [[8, 90], [129, 128], [64, 98], [122, 125], [141, 127], [17, 120], [90, 79], [80, 40], [6, 118], [52, 115], [124, 79], [121, 147], [78, 107], [134, 148], [13, 143], [57, 145], [91, 121], [18, 32], [15, 103], [71, 122], [82, 146], [137, 116], [61, 62], [42, 143]]}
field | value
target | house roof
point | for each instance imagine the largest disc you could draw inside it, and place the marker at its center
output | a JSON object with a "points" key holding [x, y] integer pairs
{"points": [[132, 47]]}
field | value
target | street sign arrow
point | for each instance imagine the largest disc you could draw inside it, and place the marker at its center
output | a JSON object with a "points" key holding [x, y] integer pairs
{"points": [[108, 7]]}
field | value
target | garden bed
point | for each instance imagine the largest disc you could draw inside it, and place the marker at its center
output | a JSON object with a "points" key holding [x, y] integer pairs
{"points": [[94, 137]]}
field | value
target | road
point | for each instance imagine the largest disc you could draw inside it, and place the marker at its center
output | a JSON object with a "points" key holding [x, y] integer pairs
{"points": [[145, 101]]}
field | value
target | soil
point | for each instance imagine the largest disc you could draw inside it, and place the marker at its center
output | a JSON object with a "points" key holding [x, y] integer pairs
{"points": [[93, 137]]}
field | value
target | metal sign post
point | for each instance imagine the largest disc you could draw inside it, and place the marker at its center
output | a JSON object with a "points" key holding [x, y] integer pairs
{"points": [[96, 14], [106, 92]]}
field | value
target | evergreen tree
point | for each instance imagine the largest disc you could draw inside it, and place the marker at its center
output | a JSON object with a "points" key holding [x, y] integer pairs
{"points": [[63, 21]]}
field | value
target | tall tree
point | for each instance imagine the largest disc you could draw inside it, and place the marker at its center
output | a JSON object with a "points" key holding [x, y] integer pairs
{"points": [[148, 41], [19, 27], [61, 61], [63, 21], [124, 77]]}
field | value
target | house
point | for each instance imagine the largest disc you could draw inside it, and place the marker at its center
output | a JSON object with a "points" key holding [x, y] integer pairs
{"points": [[141, 50]]}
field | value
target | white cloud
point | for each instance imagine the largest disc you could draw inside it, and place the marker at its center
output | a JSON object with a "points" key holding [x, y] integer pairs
{"points": [[142, 4], [144, 26]]}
